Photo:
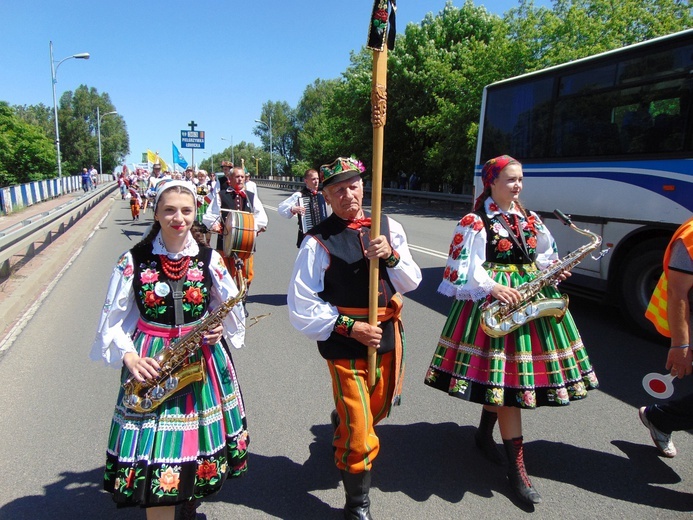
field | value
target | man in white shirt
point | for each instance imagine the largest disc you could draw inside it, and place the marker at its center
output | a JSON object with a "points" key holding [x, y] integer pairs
{"points": [[314, 201], [328, 301], [234, 197]]}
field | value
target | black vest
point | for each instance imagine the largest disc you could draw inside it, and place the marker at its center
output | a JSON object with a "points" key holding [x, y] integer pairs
{"points": [[346, 283], [160, 309]]}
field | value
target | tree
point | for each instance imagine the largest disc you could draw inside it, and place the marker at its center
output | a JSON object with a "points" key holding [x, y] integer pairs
{"points": [[79, 131], [284, 133], [26, 153]]}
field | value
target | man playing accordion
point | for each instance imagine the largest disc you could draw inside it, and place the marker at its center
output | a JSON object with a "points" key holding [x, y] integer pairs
{"points": [[309, 204]]}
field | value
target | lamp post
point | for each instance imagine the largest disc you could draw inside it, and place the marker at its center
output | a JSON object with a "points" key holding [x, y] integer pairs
{"points": [[257, 167], [98, 125], [231, 141], [54, 70], [270, 133]]}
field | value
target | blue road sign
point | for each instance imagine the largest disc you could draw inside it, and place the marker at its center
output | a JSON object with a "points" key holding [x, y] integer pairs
{"points": [[192, 139]]}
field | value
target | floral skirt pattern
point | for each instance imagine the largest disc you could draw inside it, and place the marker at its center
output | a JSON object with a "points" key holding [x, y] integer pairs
{"points": [[188, 446], [542, 363]]}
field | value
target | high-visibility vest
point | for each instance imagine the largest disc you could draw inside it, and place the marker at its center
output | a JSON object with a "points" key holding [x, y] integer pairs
{"points": [[657, 308]]}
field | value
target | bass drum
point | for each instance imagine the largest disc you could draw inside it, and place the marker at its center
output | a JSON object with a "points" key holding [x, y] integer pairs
{"points": [[239, 234]]}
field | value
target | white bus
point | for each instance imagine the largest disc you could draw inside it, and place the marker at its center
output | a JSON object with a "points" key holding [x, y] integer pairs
{"points": [[607, 139]]}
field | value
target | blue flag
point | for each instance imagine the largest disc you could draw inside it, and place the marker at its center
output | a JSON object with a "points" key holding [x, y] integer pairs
{"points": [[178, 158]]}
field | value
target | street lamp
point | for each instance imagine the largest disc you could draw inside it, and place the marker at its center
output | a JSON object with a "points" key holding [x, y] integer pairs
{"points": [[231, 141], [98, 125], [270, 132], [257, 167], [54, 70]]}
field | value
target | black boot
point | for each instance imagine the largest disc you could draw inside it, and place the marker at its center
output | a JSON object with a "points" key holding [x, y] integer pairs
{"points": [[517, 474], [188, 510], [356, 487], [484, 437]]}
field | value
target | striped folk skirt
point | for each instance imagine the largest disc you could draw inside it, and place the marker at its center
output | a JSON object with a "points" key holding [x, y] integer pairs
{"points": [[542, 363], [188, 446]]}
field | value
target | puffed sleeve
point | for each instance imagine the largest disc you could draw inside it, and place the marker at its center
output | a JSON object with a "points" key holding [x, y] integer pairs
{"points": [[224, 288], [465, 277], [547, 252], [308, 313], [406, 275], [284, 208], [118, 317]]}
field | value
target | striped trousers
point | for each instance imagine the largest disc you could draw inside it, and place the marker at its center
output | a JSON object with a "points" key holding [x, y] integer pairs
{"points": [[355, 442]]}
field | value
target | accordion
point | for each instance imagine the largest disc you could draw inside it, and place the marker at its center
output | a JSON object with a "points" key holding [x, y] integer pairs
{"points": [[316, 212]]}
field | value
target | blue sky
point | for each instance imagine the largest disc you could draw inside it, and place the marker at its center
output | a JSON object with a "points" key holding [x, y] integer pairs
{"points": [[164, 63]]}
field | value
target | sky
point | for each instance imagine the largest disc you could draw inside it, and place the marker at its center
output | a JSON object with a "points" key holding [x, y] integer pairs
{"points": [[166, 63]]}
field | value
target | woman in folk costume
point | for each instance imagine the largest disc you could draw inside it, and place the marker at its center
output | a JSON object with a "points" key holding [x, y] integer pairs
{"points": [[196, 438], [135, 202], [494, 250]]}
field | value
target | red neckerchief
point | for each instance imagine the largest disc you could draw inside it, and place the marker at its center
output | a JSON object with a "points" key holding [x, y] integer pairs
{"points": [[358, 223], [313, 193], [238, 192]]}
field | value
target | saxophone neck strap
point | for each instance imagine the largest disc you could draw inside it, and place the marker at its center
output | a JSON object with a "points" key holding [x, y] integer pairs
{"points": [[177, 293]]}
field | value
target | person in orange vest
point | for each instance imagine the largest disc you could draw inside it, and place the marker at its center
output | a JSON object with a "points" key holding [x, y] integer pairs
{"points": [[670, 312]]}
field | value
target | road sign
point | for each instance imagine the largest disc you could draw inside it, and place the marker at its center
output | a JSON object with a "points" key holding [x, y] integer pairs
{"points": [[192, 139]]}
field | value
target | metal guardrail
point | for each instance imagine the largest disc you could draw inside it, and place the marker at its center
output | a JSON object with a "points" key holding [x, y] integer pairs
{"points": [[429, 196], [19, 242]]}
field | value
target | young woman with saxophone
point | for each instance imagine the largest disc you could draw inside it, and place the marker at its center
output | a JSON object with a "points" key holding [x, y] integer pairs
{"points": [[187, 446], [495, 251]]}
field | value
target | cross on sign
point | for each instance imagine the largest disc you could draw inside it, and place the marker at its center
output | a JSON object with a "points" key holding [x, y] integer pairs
{"points": [[192, 125]]}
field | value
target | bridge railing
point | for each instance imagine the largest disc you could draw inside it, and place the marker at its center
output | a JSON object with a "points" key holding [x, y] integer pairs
{"points": [[14, 198]]}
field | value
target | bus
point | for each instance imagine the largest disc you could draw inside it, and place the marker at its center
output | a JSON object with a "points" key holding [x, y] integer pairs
{"points": [[608, 140]]}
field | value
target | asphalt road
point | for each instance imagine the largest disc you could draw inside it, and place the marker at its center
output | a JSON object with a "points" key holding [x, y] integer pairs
{"points": [[591, 460]]}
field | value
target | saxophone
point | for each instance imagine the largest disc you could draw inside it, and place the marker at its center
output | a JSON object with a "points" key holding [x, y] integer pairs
{"points": [[499, 319], [175, 371]]}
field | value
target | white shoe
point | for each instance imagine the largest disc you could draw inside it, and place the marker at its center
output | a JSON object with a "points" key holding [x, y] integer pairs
{"points": [[662, 440]]}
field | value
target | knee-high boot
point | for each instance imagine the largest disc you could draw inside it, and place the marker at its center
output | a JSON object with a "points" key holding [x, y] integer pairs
{"points": [[188, 510], [356, 488], [517, 474], [483, 437]]}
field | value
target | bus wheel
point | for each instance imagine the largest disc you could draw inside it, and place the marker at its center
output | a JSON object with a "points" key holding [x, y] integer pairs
{"points": [[640, 275]]}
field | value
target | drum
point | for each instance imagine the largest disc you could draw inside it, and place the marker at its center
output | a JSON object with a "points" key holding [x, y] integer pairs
{"points": [[239, 234]]}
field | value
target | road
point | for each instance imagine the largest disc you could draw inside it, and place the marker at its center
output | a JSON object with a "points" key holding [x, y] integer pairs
{"points": [[591, 460]]}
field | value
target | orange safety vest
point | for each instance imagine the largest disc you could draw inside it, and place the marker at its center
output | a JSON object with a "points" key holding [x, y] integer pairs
{"points": [[657, 309]]}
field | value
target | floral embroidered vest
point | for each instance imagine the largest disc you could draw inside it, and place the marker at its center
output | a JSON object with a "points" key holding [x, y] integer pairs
{"points": [[154, 291], [500, 246]]}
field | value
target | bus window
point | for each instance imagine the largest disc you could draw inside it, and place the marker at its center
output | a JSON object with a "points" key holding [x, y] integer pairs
{"points": [[517, 119]]}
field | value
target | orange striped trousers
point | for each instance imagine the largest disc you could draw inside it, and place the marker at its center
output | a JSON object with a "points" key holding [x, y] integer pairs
{"points": [[355, 442]]}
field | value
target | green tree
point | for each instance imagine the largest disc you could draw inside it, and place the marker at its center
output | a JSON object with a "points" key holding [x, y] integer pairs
{"points": [[78, 131], [26, 153], [284, 134], [39, 115]]}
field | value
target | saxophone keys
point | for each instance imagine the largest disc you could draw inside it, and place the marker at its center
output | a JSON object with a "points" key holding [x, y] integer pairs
{"points": [[532, 310], [505, 326], [147, 404], [519, 317], [171, 383], [157, 393]]}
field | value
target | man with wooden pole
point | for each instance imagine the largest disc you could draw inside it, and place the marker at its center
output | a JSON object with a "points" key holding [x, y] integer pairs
{"points": [[345, 293]]}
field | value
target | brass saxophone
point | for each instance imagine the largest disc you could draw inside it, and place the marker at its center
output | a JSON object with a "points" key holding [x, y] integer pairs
{"points": [[175, 371], [499, 319]]}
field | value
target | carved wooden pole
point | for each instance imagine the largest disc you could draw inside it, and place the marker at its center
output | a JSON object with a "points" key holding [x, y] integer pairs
{"points": [[377, 41]]}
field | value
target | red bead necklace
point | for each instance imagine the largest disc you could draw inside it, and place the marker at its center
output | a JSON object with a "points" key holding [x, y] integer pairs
{"points": [[513, 225], [175, 269]]}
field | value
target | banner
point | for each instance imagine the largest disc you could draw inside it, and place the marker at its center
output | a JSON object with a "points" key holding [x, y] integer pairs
{"points": [[178, 158], [155, 159]]}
